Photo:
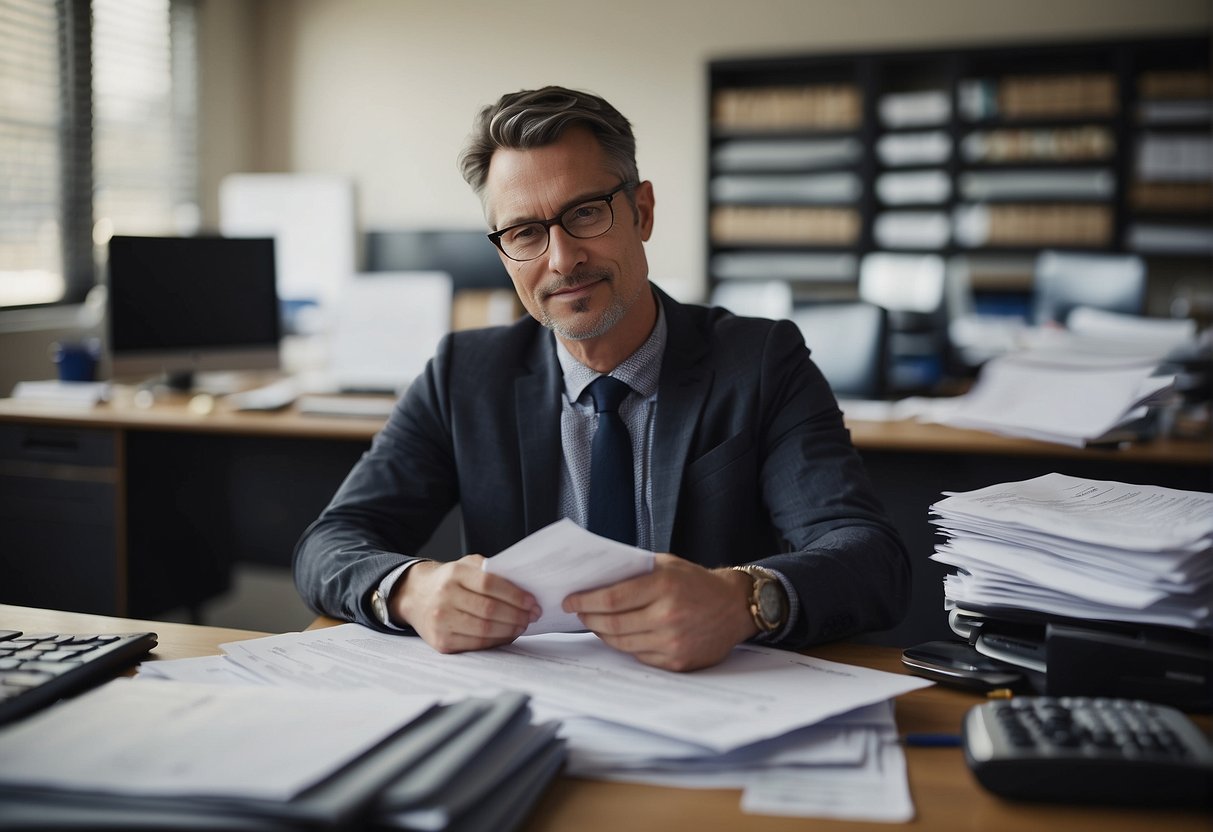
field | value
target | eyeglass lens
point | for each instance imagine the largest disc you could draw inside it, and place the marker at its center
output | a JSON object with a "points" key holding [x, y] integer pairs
{"points": [[589, 219]]}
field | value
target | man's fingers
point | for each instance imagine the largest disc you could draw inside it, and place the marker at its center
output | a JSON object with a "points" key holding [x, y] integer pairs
{"points": [[625, 596]]}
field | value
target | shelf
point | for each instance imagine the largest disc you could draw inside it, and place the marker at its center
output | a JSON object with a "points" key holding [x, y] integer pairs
{"points": [[979, 155]]}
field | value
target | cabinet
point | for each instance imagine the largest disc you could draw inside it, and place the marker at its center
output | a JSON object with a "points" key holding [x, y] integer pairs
{"points": [[982, 157], [60, 497]]}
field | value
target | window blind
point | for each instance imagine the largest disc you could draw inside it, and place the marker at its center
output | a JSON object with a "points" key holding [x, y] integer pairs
{"points": [[98, 125], [31, 262]]}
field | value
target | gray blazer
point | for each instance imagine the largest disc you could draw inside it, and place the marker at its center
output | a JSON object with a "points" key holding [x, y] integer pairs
{"points": [[751, 464]]}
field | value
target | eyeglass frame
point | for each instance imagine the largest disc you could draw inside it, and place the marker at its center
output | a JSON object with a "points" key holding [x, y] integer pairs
{"points": [[495, 236]]}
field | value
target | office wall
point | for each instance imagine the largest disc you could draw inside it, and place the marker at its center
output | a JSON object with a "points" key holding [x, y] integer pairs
{"points": [[384, 90]]}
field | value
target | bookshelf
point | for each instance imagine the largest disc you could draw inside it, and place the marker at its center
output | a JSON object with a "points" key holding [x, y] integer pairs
{"points": [[983, 156]]}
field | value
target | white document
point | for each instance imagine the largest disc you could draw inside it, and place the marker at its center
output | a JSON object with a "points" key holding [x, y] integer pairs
{"points": [[1059, 404], [179, 739], [879, 791], [1081, 548], [387, 326], [1147, 518], [599, 749], [754, 694], [561, 559], [81, 394], [1017, 563], [211, 670]]}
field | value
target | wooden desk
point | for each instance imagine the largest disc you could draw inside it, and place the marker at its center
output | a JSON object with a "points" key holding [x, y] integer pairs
{"points": [[188, 493], [946, 796], [173, 414]]}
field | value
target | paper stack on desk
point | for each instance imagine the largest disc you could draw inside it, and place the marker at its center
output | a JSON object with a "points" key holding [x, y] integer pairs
{"points": [[764, 720], [1067, 398], [760, 717], [178, 754], [1081, 549]]}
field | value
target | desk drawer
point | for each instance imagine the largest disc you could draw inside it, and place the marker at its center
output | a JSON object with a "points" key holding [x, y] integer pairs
{"points": [[39, 444], [59, 507]]}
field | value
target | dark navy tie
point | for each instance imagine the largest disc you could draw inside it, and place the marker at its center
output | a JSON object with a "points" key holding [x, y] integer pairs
{"points": [[612, 494]]}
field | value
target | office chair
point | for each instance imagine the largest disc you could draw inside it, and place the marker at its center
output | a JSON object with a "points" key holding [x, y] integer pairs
{"points": [[912, 289], [1065, 280], [849, 342]]}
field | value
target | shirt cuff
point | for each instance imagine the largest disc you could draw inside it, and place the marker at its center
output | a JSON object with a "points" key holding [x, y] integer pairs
{"points": [[389, 583]]}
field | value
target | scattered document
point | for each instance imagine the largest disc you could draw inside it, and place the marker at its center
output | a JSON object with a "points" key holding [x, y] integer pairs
{"points": [[754, 694], [1150, 337], [1054, 398], [181, 739], [879, 791], [762, 717], [1081, 548], [561, 559]]}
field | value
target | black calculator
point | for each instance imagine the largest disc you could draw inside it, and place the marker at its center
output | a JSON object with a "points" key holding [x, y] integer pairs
{"points": [[1088, 750]]}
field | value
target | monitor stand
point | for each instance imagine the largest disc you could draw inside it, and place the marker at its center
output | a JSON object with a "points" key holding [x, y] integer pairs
{"points": [[181, 381]]}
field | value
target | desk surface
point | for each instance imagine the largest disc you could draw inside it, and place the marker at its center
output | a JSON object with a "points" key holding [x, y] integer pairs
{"points": [[174, 414], [945, 794]]}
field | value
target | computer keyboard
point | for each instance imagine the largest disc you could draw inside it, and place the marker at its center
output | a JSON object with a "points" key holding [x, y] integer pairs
{"points": [[37, 669]]}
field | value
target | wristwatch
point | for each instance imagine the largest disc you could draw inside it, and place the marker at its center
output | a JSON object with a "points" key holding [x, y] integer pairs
{"points": [[768, 599], [379, 608]]}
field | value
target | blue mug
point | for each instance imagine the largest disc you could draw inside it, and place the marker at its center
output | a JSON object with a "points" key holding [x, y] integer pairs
{"points": [[77, 361]]}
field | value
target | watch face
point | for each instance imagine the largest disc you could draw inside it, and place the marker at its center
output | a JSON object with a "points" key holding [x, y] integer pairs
{"points": [[770, 602], [379, 607]]}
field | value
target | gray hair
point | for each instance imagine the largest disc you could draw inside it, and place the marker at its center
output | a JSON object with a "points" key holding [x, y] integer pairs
{"points": [[536, 118]]}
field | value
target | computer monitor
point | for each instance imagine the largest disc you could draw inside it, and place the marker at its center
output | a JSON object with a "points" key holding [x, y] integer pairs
{"points": [[466, 255], [178, 305]]}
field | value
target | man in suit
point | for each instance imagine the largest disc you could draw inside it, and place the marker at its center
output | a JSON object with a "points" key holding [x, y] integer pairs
{"points": [[727, 454]]}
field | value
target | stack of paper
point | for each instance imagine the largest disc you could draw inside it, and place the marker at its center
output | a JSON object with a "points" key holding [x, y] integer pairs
{"points": [[1066, 394], [185, 754], [763, 720], [81, 394], [761, 717], [1081, 548]]}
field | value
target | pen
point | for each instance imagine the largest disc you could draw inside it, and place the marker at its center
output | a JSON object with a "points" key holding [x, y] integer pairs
{"points": [[931, 740]]}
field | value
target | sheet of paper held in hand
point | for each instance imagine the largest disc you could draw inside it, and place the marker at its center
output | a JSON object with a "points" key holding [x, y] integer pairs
{"points": [[561, 559]]}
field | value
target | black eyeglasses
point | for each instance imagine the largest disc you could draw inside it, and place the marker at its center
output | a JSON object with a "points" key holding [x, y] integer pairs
{"points": [[590, 218]]}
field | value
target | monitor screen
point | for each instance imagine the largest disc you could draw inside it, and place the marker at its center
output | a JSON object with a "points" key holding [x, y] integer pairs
{"points": [[182, 304], [467, 256]]}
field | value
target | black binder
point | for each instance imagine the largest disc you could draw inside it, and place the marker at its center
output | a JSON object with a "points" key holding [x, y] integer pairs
{"points": [[1075, 657]]}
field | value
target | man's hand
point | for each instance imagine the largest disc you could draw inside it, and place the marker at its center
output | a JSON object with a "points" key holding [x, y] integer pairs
{"points": [[458, 606], [680, 616]]}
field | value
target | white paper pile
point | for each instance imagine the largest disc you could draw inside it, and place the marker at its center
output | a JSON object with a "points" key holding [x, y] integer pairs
{"points": [[767, 721], [1081, 548], [762, 717], [1064, 396]]}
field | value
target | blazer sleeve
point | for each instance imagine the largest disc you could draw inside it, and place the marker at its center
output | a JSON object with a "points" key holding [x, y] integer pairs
{"points": [[842, 554], [388, 505]]}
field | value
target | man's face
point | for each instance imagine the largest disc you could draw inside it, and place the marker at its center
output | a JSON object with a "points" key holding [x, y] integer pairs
{"points": [[578, 288]]}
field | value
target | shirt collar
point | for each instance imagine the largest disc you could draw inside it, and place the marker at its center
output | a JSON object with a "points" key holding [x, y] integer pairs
{"points": [[640, 370]]}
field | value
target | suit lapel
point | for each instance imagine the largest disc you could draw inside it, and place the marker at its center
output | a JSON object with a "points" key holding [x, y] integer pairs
{"points": [[537, 410], [681, 394]]}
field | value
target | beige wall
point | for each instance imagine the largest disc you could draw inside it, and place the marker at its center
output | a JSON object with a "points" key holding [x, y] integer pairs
{"points": [[384, 90]]}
